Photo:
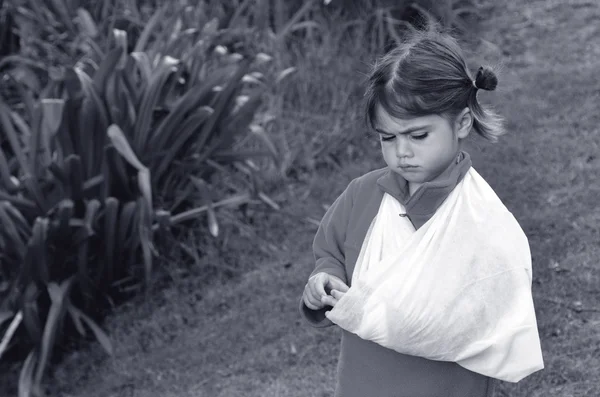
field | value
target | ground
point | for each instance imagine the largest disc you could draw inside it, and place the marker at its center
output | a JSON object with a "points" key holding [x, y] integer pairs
{"points": [[245, 337]]}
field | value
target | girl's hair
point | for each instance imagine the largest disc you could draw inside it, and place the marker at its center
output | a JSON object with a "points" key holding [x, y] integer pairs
{"points": [[427, 74]]}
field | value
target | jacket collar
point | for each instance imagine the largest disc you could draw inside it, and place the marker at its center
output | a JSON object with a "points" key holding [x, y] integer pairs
{"points": [[429, 196]]}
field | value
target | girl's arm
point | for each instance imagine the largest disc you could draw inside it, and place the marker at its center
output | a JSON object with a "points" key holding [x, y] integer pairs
{"points": [[328, 249]]}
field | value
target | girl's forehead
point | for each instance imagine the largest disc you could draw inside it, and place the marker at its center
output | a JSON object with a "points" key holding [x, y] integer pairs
{"points": [[386, 122]]}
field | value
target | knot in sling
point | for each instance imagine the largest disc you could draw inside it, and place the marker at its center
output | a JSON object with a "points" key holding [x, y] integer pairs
{"points": [[457, 289]]}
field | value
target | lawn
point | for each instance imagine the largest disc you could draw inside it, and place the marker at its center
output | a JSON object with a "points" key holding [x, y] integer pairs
{"points": [[243, 336]]}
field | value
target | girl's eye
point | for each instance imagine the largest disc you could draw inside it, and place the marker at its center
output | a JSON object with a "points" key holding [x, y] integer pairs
{"points": [[419, 137], [387, 138]]}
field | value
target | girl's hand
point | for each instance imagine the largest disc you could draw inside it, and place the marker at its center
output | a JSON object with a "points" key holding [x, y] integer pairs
{"points": [[315, 296], [333, 297]]}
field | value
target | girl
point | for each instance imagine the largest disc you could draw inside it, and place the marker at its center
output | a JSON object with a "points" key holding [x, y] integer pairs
{"points": [[421, 265]]}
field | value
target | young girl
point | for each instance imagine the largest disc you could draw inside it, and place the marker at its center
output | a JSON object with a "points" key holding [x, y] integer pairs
{"points": [[421, 265]]}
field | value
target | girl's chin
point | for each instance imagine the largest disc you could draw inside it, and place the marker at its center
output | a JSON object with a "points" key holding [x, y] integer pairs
{"points": [[412, 175]]}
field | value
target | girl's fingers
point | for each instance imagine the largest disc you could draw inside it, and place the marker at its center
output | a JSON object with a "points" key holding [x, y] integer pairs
{"points": [[328, 300], [336, 283], [310, 305], [337, 294], [317, 284], [312, 301]]}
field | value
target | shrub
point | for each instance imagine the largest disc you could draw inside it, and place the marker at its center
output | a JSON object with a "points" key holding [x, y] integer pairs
{"points": [[94, 162]]}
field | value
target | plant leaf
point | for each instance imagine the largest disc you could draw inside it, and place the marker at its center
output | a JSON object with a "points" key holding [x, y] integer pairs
{"points": [[145, 235], [191, 214], [54, 321], [52, 114], [106, 70], [122, 146], [87, 22], [127, 228], [26, 382], [10, 133], [100, 335], [202, 186], [111, 214], [10, 229], [191, 125], [149, 28], [10, 332], [5, 176], [40, 253]]}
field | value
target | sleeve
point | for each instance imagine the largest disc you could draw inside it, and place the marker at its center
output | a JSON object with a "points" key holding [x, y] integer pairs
{"points": [[328, 249]]}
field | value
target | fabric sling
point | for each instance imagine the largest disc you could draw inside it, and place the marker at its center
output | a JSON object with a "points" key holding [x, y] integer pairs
{"points": [[457, 289]]}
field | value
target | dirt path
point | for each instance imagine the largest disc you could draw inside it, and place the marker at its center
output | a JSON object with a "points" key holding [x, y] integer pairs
{"points": [[246, 338]]}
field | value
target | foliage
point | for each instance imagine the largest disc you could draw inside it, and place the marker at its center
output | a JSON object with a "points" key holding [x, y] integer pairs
{"points": [[93, 164]]}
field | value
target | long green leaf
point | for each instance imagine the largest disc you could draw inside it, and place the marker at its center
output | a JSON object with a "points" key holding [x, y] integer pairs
{"points": [[126, 94], [13, 139], [59, 296], [201, 185], [26, 381], [106, 70], [235, 124], [66, 209], [62, 9], [10, 230], [24, 204], [126, 230], [74, 172], [100, 335], [306, 7], [31, 317], [149, 29], [76, 320], [150, 98], [10, 332], [145, 233], [122, 146], [87, 23], [194, 98], [39, 248], [132, 87], [111, 214], [118, 139], [34, 188], [94, 121], [52, 114], [83, 275], [5, 176], [37, 152], [24, 61], [193, 213], [59, 174], [239, 155], [260, 132], [224, 100], [191, 126], [144, 66], [18, 219]]}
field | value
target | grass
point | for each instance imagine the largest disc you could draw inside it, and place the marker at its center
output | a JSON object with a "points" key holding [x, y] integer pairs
{"points": [[239, 333]]}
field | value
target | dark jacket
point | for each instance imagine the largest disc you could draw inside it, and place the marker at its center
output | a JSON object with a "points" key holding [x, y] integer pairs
{"points": [[366, 369]]}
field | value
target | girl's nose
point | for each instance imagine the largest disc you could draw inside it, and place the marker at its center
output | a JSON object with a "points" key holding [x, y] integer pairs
{"points": [[403, 148]]}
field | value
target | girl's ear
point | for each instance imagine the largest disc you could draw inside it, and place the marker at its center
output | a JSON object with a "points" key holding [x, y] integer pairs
{"points": [[463, 123]]}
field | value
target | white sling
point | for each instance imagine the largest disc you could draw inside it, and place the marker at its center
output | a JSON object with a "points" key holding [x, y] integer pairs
{"points": [[457, 289]]}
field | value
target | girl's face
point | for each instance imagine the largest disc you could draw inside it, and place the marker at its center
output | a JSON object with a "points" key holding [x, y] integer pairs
{"points": [[421, 148]]}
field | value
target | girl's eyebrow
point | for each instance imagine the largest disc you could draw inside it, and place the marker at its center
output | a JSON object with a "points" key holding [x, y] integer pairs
{"points": [[407, 131]]}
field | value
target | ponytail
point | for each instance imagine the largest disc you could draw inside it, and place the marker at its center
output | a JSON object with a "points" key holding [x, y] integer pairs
{"points": [[486, 122]]}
